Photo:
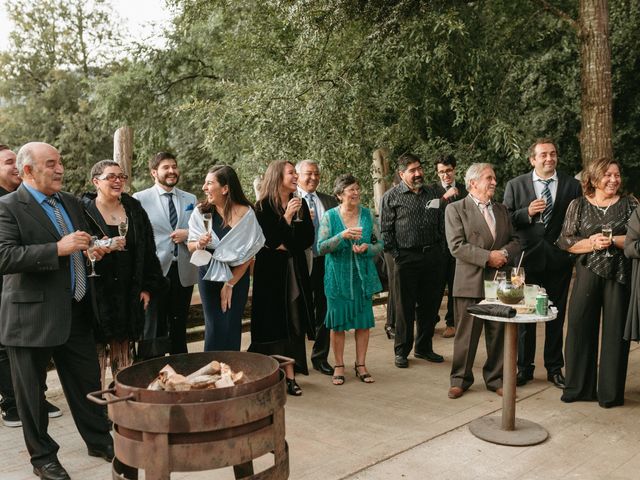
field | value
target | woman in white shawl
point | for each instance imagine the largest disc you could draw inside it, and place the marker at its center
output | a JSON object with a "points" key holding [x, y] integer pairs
{"points": [[224, 236]]}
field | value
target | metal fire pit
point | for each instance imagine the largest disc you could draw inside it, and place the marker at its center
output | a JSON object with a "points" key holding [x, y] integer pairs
{"points": [[163, 432]]}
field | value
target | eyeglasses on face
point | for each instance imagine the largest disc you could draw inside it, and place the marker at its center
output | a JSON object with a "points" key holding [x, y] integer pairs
{"points": [[111, 177]]}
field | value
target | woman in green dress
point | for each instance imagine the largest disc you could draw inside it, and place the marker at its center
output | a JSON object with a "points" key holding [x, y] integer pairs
{"points": [[349, 238]]}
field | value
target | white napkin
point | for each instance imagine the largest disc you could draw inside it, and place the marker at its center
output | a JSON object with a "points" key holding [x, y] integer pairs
{"points": [[200, 258]]}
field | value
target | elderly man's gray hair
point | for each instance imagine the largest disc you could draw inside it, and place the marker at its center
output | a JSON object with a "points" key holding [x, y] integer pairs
{"points": [[302, 163], [24, 157], [474, 172]]}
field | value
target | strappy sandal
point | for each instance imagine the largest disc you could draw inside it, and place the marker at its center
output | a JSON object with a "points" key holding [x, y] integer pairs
{"points": [[364, 377], [337, 379], [293, 388]]}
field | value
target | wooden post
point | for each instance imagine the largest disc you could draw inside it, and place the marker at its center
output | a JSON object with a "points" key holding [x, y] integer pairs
{"points": [[123, 150], [379, 172]]}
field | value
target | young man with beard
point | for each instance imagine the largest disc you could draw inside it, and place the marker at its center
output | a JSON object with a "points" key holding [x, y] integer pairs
{"points": [[169, 210], [412, 227]]}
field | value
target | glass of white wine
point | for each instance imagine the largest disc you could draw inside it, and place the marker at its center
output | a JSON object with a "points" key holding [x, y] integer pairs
{"points": [[607, 231], [92, 257], [298, 216], [206, 219], [123, 228]]}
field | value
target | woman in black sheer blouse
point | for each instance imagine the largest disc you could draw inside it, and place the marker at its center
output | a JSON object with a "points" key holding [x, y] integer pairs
{"points": [[601, 287]]}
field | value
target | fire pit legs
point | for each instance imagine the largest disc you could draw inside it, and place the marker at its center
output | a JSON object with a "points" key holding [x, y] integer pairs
{"points": [[243, 470]]}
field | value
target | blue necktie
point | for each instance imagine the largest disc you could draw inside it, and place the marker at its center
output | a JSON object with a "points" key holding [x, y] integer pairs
{"points": [[80, 286], [546, 194], [173, 218], [316, 221]]}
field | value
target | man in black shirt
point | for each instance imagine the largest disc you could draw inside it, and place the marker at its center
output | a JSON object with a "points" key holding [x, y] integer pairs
{"points": [[413, 231]]}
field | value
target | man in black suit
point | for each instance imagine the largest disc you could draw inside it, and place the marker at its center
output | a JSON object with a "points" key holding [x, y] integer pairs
{"points": [[9, 181], [537, 202], [308, 180], [449, 191], [46, 310]]}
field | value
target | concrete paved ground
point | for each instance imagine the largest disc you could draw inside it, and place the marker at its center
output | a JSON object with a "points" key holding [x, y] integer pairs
{"points": [[404, 427]]}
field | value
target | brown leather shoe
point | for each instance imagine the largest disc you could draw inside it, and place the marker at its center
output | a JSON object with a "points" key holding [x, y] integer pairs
{"points": [[449, 332], [455, 392], [499, 391]]}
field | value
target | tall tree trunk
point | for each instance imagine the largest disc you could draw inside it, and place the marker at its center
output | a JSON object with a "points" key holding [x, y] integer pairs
{"points": [[597, 119]]}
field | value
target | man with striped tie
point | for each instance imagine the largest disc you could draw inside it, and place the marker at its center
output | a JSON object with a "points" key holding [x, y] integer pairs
{"points": [[537, 202], [46, 310], [308, 180]]}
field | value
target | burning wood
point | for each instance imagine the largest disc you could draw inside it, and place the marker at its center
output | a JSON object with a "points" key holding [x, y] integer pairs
{"points": [[212, 375]]}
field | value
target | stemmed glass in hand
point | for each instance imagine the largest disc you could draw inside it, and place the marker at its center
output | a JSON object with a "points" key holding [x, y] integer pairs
{"points": [[92, 257], [540, 219], [607, 231], [123, 228], [298, 216]]}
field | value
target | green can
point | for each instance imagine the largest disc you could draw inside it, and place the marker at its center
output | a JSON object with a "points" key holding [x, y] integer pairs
{"points": [[542, 304]]}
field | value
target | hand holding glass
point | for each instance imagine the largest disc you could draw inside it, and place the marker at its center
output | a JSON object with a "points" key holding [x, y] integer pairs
{"points": [[91, 255], [298, 216], [607, 231]]}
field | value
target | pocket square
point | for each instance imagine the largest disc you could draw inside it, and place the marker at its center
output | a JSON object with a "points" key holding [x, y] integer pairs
{"points": [[189, 207], [493, 310]]}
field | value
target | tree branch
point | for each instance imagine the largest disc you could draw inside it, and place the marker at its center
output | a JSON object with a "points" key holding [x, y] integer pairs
{"points": [[560, 14]]}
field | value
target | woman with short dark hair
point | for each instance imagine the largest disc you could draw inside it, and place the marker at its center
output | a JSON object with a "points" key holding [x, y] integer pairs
{"points": [[129, 275], [349, 238]]}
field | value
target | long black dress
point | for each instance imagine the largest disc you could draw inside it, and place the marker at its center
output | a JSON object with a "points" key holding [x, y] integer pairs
{"points": [[281, 305], [601, 288]]}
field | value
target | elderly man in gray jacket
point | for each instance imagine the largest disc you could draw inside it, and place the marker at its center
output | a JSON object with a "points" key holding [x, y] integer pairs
{"points": [[481, 238]]}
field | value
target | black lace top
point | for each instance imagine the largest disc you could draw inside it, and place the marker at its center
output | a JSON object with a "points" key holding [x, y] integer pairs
{"points": [[584, 219]]}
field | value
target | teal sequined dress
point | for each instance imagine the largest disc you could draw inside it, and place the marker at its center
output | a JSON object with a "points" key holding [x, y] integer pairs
{"points": [[350, 279]]}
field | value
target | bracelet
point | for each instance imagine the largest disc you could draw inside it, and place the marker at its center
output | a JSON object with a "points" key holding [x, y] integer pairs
{"points": [[227, 284]]}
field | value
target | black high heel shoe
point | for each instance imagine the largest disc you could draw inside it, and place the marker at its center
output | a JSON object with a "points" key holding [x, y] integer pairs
{"points": [[293, 388], [364, 377], [390, 331]]}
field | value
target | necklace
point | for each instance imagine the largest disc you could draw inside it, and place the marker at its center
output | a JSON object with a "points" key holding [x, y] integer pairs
{"points": [[602, 209]]}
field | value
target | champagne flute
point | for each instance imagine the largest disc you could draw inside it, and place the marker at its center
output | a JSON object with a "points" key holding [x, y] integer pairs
{"points": [[607, 231], [123, 228], [298, 216], [207, 221], [540, 220], [92, 257]]}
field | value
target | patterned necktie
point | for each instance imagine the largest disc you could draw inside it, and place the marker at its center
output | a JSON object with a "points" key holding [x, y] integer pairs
{"points": [[80, 287], [546, 194], [316, 221], [173, 218], [491, 223]]}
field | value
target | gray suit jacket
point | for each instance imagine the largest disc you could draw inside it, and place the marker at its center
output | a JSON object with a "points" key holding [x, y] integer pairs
{"points": [[36, 298], [470, 242], [157, 211]]}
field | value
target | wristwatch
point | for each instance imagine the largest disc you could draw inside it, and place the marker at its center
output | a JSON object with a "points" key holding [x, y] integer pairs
{"points": [[505, 253]]}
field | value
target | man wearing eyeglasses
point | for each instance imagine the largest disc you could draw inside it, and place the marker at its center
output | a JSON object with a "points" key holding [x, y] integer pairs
{"points": [[169, 210], [449, 191]]}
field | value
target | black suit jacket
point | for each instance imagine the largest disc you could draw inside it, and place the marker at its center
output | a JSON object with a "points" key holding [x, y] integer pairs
{"points": [[537, 241], [36, 298], [328, 201]]}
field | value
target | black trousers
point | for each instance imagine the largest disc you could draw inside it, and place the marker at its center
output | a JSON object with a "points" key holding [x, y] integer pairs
{"points": [[77, 365], [168, 314], [320, 351], [449, 277], [591, 297], [6, 386], [556, 283], [417, 281], [391, 312]]}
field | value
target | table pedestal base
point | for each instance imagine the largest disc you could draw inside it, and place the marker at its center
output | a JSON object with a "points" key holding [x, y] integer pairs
{"points": [[525, 433]]}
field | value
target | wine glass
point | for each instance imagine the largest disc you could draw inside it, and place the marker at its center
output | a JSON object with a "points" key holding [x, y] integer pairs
{"points": [[540, 219], [298, 216], [92, 257], [207, 221], [517, 276], [123, 228], [607, 231]]}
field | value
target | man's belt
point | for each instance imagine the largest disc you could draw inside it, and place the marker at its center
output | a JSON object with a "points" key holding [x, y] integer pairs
{"points": [[423, 248]]}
